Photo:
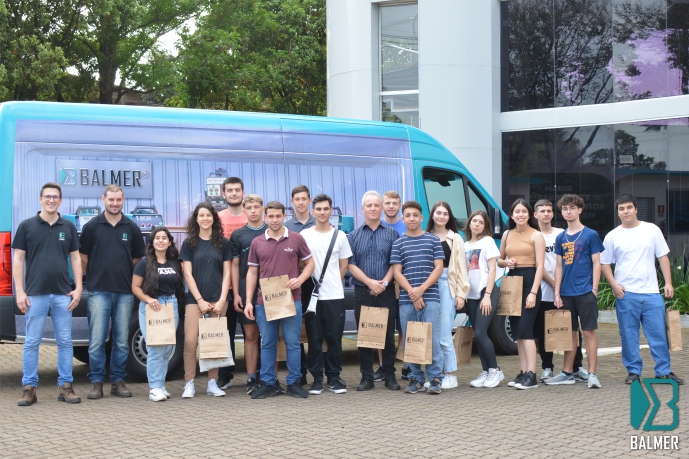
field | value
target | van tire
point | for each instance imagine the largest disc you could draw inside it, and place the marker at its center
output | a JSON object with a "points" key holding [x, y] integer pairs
{"points": [[81, 353], [136, 366], [500, 333]]}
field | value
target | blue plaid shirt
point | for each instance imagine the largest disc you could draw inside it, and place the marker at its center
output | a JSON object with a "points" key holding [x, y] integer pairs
{"points": [[371, 250]]}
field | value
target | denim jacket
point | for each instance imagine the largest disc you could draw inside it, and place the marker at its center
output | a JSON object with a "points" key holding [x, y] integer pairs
{"points": [[457, 268]]}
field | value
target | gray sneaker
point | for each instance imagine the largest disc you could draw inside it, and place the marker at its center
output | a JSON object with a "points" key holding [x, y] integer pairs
{"points": [[581, 375], [547, 374], [561, 378], [593, 381]]}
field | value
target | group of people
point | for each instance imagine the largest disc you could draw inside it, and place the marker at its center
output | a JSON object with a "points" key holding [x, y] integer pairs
{"points": [[416, 274]]}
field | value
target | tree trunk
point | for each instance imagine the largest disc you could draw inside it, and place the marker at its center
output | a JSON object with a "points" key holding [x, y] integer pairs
{"points": [[107, 71]]}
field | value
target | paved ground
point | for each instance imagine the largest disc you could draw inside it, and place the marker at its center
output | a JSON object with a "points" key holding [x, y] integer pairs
{"points": [[566, 421]]}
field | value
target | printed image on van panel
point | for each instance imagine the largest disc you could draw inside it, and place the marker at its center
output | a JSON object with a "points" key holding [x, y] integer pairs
{"points": [[147, 218], [214, 188]]}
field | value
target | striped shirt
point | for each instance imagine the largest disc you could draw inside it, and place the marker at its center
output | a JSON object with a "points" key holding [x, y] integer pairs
{"points": [[417, 256], [371, 250]]}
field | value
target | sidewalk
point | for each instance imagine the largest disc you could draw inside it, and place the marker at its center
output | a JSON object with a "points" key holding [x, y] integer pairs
{"points": [[563, 421]]}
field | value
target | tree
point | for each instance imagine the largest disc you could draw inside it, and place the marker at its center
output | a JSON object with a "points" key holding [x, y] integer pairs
{"points": [[255, 55]]}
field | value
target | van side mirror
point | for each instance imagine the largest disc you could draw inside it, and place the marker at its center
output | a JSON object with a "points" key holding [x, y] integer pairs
{"points": [[497, 221]]}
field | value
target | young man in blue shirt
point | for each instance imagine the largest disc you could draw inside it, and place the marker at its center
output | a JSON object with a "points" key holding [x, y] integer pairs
{"points": [[417, 263]]}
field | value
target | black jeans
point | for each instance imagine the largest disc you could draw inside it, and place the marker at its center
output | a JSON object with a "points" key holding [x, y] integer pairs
{"points": [[363, 297], [480, 324], [328, 323], [306, 291], [232, 328], [539, 334]]}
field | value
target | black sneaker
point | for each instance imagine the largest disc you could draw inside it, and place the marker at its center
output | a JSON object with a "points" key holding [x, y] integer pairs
{"points": [[251, 385], [378, 375], [391, 383], [281, 391], [365, 384], [405, 372], [295, 390], [316, 388], [224, 381], [265, 390], [528, 381], [338, 386], [434, 388], [303, 381], [631, 377], [516, 380], [672, 376]]}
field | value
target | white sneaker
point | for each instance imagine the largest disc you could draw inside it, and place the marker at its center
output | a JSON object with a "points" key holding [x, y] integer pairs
{"points": [[495, 375], [167, 394], [449, 382], [157, 395], [478, 382], [189, 390], [427, 384], [214, 390]]}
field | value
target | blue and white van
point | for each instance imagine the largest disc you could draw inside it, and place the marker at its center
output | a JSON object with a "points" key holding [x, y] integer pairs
{"points": [[168, 160]]}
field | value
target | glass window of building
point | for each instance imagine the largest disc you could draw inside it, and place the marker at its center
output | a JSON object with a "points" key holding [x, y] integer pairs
{"points": [[399, 63]]}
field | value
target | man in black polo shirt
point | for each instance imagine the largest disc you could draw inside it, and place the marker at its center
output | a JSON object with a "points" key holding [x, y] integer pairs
{"points": [[111, 244], [42, 245], [370, 266]]}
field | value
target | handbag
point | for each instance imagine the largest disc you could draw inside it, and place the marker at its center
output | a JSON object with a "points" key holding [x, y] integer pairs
{"points": [[311, 310]]}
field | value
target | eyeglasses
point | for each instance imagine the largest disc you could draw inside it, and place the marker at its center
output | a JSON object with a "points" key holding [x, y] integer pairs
{"points": [[53, 197]]}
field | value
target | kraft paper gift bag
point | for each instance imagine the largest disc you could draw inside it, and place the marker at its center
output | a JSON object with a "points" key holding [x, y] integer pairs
{"points": [[303, 337], [207, 364], [213, 338], [463, 341], [160, 326], [277, 298], [373, 325], [418, 346], [281, 349], [558, 330], [674, 330], [510, 303], [400, 352]]}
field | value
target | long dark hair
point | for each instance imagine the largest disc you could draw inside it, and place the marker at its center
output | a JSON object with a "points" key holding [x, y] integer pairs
{"points": [[150, 284], [217, 238], [532, 222], [486, 225], [451, 222]]}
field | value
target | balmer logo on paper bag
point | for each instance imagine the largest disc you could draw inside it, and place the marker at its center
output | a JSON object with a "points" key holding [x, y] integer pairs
{"points": [[212, 335], [416, 340], [274, 296], [505, 293], [371, 325], [557, 330], [152, 322]]}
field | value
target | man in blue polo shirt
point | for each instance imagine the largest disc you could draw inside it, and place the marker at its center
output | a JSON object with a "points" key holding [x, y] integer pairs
{"points": [[41, 247], [111, 244]]}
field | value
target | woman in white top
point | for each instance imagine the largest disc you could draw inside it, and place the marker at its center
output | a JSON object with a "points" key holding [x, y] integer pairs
{"points": [[482, 299], [453, 284]]}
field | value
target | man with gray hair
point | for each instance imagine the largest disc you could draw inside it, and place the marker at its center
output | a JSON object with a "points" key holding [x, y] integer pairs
{"points": [[369, 264]]}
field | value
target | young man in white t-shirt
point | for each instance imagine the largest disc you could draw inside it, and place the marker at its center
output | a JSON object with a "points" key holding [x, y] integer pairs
{"points": [[329, 320], [543, 211], [633, 247]]}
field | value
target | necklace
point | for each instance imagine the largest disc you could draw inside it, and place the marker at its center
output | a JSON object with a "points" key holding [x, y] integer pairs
{"points": [[567, 239]]}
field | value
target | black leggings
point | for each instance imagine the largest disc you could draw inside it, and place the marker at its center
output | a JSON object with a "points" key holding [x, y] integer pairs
{"points": [[486, 350]]}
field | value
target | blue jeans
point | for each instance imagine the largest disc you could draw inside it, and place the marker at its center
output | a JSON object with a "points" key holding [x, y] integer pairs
{"points": [[291, 329], [158, 356], [58, 306], [647, 309], [103, 306], [431, 313], [447, 320]]}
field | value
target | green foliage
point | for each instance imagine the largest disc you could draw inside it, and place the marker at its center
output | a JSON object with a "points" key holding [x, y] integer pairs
{"points": [[606, 297]]}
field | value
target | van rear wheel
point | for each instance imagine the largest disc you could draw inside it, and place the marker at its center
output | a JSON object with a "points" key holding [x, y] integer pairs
{"points": [[500, 332], [138, 352]]}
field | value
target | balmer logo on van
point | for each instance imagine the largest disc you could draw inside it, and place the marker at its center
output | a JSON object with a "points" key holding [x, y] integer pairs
{"points": [[212, 335], [153, 322], [371, 325], [83, 178], [275, 296]]}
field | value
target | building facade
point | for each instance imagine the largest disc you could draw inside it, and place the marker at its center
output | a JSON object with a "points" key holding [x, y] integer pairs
{"points": [[537, 98]]}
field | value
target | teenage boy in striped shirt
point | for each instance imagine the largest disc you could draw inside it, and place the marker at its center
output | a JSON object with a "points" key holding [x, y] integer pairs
{"points": [[417, 263]]}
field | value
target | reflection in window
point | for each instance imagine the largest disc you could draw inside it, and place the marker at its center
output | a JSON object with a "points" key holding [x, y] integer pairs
{"points": [[446, 186], [475, 202], [403, 108], [399, 47]]}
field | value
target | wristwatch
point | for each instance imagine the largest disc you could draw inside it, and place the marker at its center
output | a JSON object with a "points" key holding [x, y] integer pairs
{"points": [[385, 283]]}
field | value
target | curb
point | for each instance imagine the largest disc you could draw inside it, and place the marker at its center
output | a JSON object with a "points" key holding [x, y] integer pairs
{"points": [[609, 316]]}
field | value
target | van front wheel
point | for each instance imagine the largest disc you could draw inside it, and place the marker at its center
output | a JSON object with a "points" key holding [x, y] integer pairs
{"points": [[138, 353]]}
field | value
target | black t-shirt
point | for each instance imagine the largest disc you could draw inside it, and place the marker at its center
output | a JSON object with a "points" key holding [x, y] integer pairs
{"points": [[167, 277], [206, 268], [110, 250], [47, 250], [448, 252], [241, 242]]}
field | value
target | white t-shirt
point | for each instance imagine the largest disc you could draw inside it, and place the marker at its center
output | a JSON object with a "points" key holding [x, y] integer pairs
{"points": [[547, 292], [633, 251], [478, 253], [318, 243]]}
